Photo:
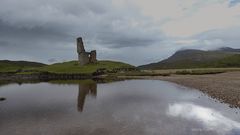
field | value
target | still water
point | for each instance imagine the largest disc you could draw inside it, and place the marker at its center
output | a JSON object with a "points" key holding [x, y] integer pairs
{"points": [[132, 107]]}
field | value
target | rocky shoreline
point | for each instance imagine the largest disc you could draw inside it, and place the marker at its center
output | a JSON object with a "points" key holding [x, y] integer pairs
{"points": [[43, 76]]}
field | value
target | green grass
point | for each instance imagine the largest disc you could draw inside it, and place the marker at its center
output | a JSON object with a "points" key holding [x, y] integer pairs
{"points": [[231, 61], [74, 67], [71, 67], [26, 73], [84, 82], [13, 66], [194, 71], [7, 67], [142, 73]]}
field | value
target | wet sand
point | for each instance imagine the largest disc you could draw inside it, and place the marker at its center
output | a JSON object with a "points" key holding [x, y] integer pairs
{"points": [[224, 87]]}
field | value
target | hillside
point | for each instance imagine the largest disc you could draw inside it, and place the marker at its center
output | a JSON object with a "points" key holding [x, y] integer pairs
{"points": [[25, 67], [12, 66], [74, 67], [221, 58], [228, 49]]}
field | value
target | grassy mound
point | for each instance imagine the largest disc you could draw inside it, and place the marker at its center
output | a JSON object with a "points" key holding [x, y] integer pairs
{"points": [[71, 67], [74, 67], [13, 66]]}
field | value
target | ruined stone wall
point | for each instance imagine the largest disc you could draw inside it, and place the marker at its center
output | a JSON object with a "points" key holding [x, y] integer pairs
{"points": [[83, 56], [80, 46], [93, 56]]}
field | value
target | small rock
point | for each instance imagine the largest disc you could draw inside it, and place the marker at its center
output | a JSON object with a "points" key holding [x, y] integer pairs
{"points": [[2, 98]]}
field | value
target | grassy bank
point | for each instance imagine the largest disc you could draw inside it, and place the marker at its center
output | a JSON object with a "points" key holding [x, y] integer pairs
{"points": [[74, 67], [71, 67], [111, 68], [14, 66], [195, 71]]}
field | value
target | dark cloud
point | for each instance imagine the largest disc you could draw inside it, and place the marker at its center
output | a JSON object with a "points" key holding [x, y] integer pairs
{"points": [[118, 40], [33, 28], [4, 43]]}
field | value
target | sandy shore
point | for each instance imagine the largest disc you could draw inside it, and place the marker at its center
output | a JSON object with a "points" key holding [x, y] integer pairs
{"points": [[225, 86]]}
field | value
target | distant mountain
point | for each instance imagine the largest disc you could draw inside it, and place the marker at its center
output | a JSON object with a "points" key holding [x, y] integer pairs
{"points": [[7, 65], [222, 57], [228, 49]]}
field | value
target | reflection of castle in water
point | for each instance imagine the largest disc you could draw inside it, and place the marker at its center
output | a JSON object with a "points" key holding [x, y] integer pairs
{"points": [[84, 91]]}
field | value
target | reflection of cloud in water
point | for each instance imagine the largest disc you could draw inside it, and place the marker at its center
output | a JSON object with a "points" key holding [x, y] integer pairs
{"points": [[211, 119]]}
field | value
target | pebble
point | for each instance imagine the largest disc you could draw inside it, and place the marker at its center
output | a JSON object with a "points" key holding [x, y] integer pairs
{"points": [[2, 98]]}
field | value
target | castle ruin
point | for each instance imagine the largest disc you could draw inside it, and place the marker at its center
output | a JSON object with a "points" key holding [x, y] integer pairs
{"points": [[83, 56], [85, 90]]}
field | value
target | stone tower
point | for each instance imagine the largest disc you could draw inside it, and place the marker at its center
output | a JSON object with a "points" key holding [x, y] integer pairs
{"points": [[83, 56]]}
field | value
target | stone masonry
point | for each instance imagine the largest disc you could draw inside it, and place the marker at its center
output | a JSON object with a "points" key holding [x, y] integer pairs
{"points": [[83, 56]]}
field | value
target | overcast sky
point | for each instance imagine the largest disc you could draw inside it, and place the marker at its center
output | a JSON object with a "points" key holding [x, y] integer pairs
{"points": [[133, 31]]}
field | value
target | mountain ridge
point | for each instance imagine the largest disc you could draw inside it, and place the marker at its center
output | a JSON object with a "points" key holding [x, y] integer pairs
{"points": [[193, 58]]}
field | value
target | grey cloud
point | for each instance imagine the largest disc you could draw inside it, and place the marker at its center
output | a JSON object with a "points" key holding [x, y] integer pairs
{"points": [[75, 18], [52, 60], [118, 41], [233, 2], [34, 34], [34, 28], [208, 40], [4, 43], [226, 37], [41, 30]]}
